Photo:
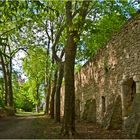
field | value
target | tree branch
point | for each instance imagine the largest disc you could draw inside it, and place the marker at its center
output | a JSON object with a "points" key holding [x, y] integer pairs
{"points": [[82, 15], [7, 31], [56, 42], [1, 53]]}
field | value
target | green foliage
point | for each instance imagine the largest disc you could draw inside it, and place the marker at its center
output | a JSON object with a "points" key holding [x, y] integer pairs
{"points": [[21, 94], [102, 24], [25, 24], [105, 28], [23, 101], [35, 64], [35, 67], [12, 16]]}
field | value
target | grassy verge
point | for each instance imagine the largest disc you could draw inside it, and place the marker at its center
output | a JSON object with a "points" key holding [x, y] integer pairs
{"points": [[22, 113]]}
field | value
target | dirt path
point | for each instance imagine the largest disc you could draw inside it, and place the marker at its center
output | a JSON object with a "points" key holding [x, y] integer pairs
{"points": [[17, 127], [35, 127]]}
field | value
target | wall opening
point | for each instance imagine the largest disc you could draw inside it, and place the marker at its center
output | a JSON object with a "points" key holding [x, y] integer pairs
{"points": [[132, 106], [89, 113], [103, 105], [116, 118], [133, 87], [128, 94], [77, 109], [112, 119]]}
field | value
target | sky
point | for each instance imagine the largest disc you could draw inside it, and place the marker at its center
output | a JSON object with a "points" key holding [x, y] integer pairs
{"points": [[17, 63]]}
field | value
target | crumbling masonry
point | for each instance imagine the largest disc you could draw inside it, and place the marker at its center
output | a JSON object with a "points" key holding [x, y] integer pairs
{"points": [[108, 85]]}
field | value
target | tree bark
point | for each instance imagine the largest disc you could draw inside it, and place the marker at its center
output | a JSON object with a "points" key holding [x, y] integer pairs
{"points": [[5, 79], [70, 53], [69, 109], [7, 74], [2, 90], [58, 87], [73, 35], [37, 98], [10, 84], [48, 97], [53, 95], [48, 92]]}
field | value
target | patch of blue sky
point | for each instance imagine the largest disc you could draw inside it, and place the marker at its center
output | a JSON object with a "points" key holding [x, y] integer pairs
{"points": [[17, 64]]}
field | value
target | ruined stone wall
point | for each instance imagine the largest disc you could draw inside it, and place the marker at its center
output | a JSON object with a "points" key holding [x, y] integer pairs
{"points": [[98, 85]]}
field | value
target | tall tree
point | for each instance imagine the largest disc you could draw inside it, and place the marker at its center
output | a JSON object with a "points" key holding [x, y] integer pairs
{"points": [[6, 60], [73, 36], [10, 22], [35, 67], [58, 93], [53, 94]]}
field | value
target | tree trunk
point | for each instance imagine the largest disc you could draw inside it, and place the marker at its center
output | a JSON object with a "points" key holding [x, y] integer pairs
{"points": [[36, 109], [58, 87], [70, 53], [10, 84], [73, 35], [2, 90], [7, 73], [48, 92], [47, 87], [53, 95], [69, 110], [37, 98], [5, 79]]}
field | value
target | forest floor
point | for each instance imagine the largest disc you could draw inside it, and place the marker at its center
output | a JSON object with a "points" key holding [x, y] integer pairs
{"points": [[42, 127]]}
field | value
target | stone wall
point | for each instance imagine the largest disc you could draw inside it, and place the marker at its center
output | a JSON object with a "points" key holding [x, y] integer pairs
{"points": [[108, 80]]}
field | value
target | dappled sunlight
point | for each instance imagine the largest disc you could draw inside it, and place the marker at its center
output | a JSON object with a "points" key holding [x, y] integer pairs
{"points": [[29, 114]]}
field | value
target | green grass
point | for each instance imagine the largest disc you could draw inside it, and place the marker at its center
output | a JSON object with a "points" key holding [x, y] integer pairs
{"points": [[22, 113]]}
